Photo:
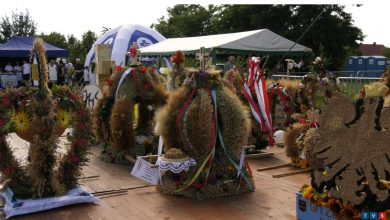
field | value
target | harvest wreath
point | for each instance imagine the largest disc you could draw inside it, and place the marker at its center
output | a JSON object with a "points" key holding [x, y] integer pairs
{"points": [[39, 116]]}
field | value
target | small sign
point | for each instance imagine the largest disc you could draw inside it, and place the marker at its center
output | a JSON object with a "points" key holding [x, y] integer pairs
{"points": [[144, 171], [91, 93], [306, 210]]}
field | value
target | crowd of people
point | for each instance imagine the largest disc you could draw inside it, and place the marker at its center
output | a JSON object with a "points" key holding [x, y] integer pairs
{"points": [[60, 72]]}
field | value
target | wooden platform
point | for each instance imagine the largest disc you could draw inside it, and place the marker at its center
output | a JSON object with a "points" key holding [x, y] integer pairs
{"points": [[274, 198]]}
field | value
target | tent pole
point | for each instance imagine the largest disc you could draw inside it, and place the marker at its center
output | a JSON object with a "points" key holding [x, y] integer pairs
{"points": [[213, 57]]}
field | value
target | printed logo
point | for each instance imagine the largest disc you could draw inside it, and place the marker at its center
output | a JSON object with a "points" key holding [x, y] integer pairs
{"points": [[143, 42]]}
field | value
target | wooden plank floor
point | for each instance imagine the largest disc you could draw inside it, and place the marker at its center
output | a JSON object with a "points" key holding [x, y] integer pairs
{"points": [[274, 198]]}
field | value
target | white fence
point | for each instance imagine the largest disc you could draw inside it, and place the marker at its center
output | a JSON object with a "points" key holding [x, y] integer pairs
{"points": [[350, 82]]}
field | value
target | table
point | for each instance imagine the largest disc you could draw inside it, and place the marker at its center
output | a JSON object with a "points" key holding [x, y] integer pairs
{"points": [[9, 80]]}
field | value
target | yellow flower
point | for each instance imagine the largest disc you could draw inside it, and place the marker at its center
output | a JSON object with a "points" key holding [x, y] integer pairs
{"points": [[147, 142], [308, 192], [21, 121], [62, 118]]}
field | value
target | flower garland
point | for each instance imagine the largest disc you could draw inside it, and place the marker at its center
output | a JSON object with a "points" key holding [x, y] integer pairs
{"points": [[340, 210]]}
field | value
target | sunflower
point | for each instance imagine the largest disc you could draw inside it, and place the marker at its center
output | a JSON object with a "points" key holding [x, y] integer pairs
{"points": [[21, 121], [63, 118]]}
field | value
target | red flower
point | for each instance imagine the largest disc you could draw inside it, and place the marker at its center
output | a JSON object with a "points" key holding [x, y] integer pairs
{"points": [[286, 124], [81, 126], [302, 121], [148, 85], [74, 158], [7, 170], [72, 97], [109, 82], [2, 122], [314, 125], [81, 142], [6, 101], [81, 112], [286, 109], [143, 69], [118, 68]]}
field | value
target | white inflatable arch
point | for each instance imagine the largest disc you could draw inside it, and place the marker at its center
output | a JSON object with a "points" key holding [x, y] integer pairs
{"points": [[121, 39]]}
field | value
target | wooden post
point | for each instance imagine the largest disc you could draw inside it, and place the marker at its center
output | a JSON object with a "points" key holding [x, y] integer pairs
{"points": [[203, 57]]}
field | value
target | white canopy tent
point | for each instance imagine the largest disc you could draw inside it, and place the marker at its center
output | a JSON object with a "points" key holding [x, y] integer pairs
{"points": [[261, 41]]}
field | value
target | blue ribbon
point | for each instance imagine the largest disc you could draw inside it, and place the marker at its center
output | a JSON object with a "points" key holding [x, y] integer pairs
{"points": [[214, 96]]}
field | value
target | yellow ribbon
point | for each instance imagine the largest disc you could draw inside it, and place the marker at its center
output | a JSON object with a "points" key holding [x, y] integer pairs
{"points": [[196, 175]]}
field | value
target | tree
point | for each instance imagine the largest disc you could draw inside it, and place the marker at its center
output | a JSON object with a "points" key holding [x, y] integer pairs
{"points": [[333, 30], [187, 21], [20, 24], [56, 39], [86, 43], [386, 52]]}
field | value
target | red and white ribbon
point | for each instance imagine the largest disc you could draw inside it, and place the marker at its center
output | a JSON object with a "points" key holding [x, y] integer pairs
{"points": [[262, 112]]}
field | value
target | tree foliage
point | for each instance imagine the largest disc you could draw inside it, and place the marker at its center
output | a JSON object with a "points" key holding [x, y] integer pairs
{"points": [[19, 24], [333, 30], [77, 48]]}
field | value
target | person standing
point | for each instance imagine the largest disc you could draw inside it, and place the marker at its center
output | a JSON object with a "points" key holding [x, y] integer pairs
{"points": [[18, 69], [229, 64], [53, 72], [79, 71], [26, 72], [92, 78], [9, 68], [61, 73], [86, 76]]}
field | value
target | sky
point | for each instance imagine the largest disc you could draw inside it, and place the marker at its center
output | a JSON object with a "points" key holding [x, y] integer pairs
{"points": [[78, 16]]}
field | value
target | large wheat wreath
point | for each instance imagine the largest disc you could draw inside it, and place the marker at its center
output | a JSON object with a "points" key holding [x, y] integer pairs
{"points": [[41, 115]]}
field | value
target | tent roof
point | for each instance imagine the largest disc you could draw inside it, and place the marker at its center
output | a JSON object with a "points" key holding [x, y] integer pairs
{"points": [[21, 47], [263, 41]]}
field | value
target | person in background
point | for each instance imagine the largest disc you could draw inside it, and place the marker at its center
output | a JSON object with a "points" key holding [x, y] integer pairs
{"points": [[69, 73], [86, 76], [26, 72], [229, 64], [18, 69], [8, 68], [79, 71], [61, 73], [92, 78], [53, 73]]}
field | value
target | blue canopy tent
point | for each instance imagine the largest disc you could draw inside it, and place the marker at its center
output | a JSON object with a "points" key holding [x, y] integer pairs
{"points": [[20, 47]]}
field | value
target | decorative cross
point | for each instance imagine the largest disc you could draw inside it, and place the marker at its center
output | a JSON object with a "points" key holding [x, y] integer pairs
{"points": [[134, 53], [203, 57]]}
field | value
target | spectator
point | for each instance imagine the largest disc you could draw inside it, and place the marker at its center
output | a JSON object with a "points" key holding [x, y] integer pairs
{"points": [[229, 64], [18, 68], [8, 68], [26, 72], [18, 71], [92, 78], [79, 70], [61, 73], [86, 76], [53, 73]]}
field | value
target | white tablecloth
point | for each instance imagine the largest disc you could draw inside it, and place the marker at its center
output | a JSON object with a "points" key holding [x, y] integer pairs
{"points": [[9, 80]]}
